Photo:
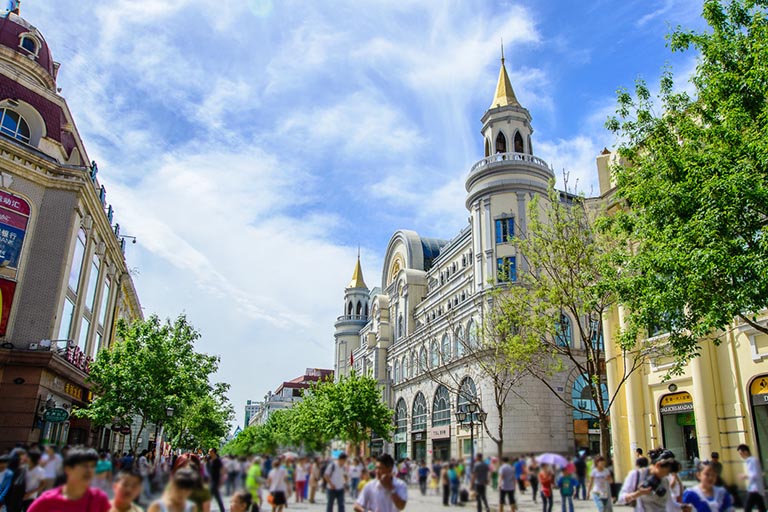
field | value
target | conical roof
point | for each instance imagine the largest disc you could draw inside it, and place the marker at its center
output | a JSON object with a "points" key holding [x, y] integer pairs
{"points": [[357, 277], [505, 95]]}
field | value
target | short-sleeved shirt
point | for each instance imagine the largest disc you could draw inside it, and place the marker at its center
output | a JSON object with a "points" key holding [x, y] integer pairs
{"points": [[600, 484], [507, 478], [277, 477], [375, 497], [103, 466], [480, 472], [566, 485], [94, 500], [754, 475], [35, 477], [53, 466], [720, 501], [336, 474]]}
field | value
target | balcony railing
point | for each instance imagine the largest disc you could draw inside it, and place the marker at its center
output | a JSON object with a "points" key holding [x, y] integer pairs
{"points": [[356, 318], [510, 157]]}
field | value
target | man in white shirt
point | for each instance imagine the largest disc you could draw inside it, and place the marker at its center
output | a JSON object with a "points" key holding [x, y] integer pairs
{"points": [[386, 493], [754, 478], [277, 482], [336, 478]]}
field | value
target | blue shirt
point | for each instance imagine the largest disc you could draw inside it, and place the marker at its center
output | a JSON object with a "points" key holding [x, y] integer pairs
{"points": [[720, 501], [5, 484], [519, 466]]}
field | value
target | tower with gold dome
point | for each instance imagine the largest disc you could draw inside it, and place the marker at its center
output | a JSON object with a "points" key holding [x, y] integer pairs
{"points": [[353, 318], [426, 315]]}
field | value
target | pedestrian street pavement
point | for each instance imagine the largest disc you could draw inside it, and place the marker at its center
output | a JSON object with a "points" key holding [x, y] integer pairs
{"points": [[433, 503]]}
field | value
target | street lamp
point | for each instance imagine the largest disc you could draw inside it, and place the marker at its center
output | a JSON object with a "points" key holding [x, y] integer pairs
{"points": [[469, 415]]}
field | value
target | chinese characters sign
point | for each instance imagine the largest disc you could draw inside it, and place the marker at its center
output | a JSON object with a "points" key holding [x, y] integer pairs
{"points": [[14, 216], [76, 357]]}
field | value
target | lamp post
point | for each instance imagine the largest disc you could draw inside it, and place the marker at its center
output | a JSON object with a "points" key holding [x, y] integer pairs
{"points": [[470, 415]]}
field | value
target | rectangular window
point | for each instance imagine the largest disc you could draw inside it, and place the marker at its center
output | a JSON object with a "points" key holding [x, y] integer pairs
{"points": [[77, 261], [505, 229], [93, 281], [85, 326], [66, 319], [104, 302], [507, 268], [97, 341]]}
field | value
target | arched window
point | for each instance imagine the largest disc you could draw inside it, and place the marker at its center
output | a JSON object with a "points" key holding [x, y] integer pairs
{"points": [[446, 348], [396, 372], [419, 413], [584, 406], [472, 341], [487, 147], [501, 143], [349, 309], [422, 360], [404, 368], [29, 44], [467, 393], [434, 355], [401, 417], [366, 309], [519, 143], [359, 310], [441, 407], [459, 343], [564, 332], [13, 125]]}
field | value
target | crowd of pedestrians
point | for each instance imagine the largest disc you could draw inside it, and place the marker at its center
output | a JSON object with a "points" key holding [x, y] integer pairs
{"points": [[80, 480]]}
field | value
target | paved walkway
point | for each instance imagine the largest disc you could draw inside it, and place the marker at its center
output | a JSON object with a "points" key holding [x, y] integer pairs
{"points": [[433, 503]]}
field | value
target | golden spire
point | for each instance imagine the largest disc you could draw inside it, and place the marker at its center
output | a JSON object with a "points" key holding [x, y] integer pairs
{"points": [[357, 275], [505, 96]]}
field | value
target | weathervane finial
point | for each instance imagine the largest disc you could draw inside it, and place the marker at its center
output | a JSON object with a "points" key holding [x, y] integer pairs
{"points": [[502, 50]]}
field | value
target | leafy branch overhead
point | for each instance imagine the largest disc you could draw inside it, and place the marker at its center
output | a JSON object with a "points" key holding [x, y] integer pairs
{"points": [[695, 180]]}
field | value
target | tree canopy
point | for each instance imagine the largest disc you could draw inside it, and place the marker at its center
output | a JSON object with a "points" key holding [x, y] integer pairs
{"points": [[151, 366], [695, 183]]}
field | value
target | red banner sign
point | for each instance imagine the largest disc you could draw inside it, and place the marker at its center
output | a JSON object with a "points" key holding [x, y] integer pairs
{"points": [[7, 291]]}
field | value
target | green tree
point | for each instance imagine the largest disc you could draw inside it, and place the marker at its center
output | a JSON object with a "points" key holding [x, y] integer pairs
{"points": [[553, 314], [205, 421], [350, 408], [696, 185], [151, 366], [268, 438]]}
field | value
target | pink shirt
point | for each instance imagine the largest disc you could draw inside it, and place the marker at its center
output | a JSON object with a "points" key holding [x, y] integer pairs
{"points": [[94, 500]]}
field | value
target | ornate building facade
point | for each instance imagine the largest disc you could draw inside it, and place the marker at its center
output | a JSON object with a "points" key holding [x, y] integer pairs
{"points": [[418, 331], [63, 276]]}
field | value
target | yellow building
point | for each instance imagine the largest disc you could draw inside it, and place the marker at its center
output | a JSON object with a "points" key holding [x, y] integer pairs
{"points": [[719, 402]]}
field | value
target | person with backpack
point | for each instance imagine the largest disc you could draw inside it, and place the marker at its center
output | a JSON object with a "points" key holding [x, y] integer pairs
{"points": [[455, 482], [336, 478], [648, 489], [567, 485]]}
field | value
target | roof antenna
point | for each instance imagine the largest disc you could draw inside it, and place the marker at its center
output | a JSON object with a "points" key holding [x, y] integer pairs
{"points": [[502, 51], [358, 251]]}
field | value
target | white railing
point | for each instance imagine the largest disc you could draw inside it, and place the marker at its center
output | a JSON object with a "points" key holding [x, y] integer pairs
{"points": [[509, 157], [351, 317]]}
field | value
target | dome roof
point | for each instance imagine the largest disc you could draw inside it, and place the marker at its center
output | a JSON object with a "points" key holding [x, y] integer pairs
{"points": [[12, 27]]}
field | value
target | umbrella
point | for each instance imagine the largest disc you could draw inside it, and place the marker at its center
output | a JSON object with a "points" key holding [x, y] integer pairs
{"points": [[552, 459], [291, 455]]}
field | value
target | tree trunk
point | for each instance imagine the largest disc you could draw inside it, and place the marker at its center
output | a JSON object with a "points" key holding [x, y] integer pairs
{"points": [[605, 436], [138, 435]]}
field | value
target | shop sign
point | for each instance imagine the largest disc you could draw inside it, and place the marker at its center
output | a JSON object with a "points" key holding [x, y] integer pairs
{"points": [[14, 216], [420, 436], [56, 415], [7, 291], [759, 391], [400, 437], [76, 357], [440, 432], [676, 403], [73, 390]]}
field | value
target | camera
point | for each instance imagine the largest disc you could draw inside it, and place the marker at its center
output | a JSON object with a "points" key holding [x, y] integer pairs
{"points": [[653, 483]]}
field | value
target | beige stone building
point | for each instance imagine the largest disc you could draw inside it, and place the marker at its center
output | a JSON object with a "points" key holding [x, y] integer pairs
{"points": [[63, 275], [417, 330]]}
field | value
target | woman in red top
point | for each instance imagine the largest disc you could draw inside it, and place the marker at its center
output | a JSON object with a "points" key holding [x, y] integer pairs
{"points": [[546, 480]]}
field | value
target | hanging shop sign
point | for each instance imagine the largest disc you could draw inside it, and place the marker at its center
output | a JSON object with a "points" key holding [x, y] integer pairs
{"points": [[400, 437], [419, 436], [676, 403], [56, 415]]}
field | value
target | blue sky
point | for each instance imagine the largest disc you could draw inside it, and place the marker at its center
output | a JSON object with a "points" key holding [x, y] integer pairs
{"points": [[251, 145]]}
